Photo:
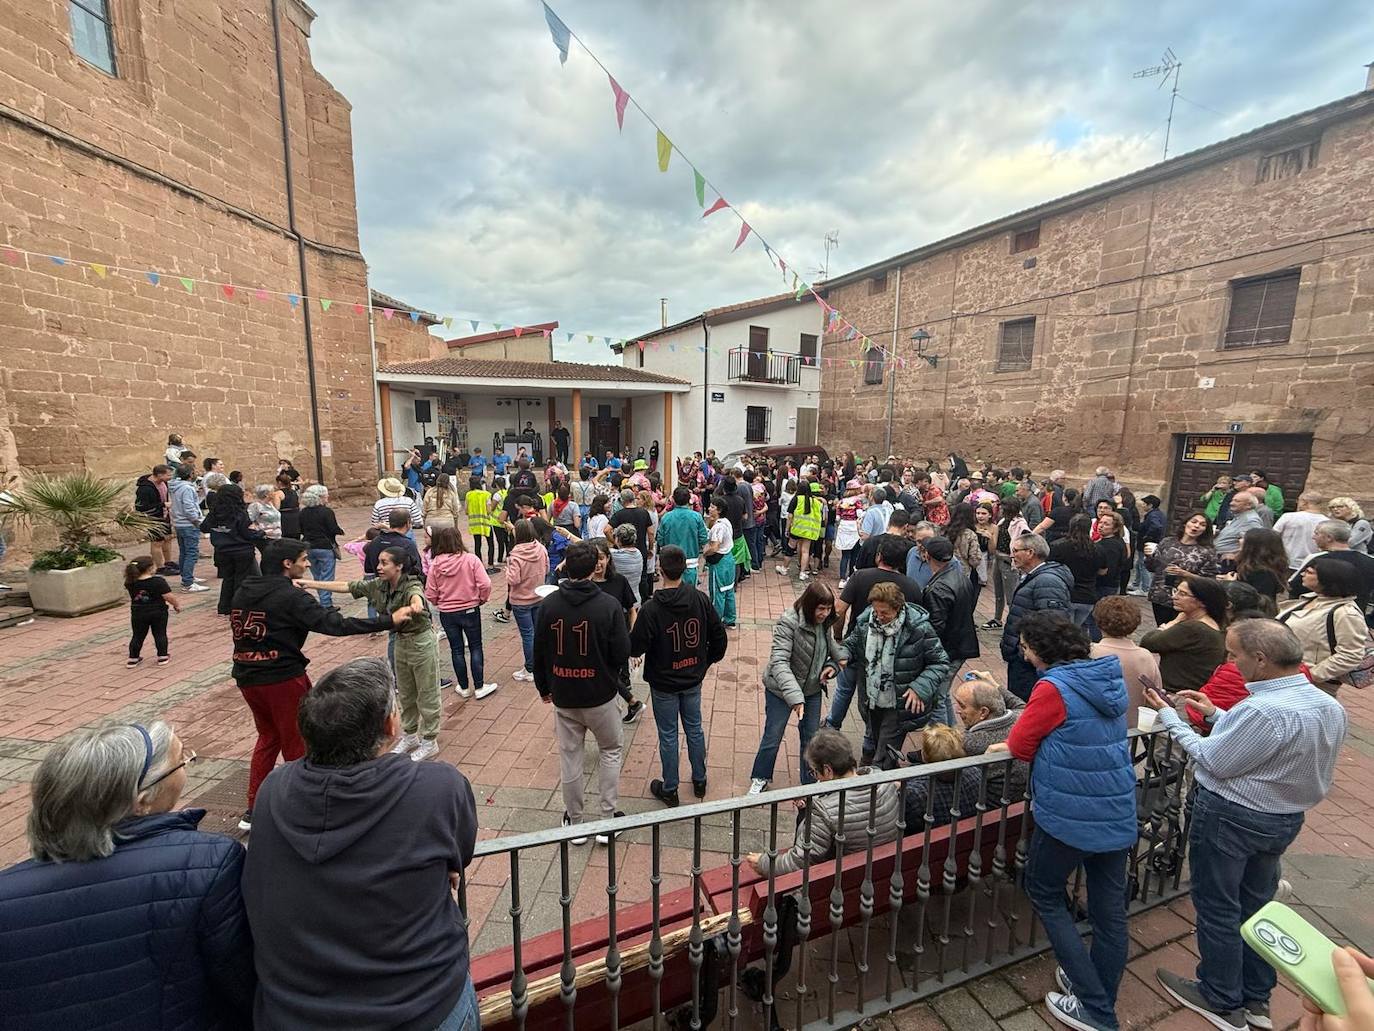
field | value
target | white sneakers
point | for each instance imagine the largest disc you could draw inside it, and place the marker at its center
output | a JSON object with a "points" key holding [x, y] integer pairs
{"points": [[427, 750], [483, 690], [757, 786], [486, 690], [406, 743], [194, 589], [463, 692], [842, 583], [522, 674], [780, 570]]}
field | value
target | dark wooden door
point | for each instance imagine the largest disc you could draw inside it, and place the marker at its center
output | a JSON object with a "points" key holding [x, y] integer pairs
{"points": [[1200, 458], [605, 436], [756, 367]]}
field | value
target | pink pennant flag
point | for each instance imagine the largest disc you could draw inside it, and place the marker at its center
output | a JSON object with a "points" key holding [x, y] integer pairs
{"points": [[744, 232], [720, 203], [227, 290], [783, 262], [12, 256], [388, 312], [519, 330], [260, 294], [640, 344], [546, 334], [358, 309], [621, 99]]}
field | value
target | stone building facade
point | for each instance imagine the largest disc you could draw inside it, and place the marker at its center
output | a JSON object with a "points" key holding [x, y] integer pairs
{"points": [[171, 159], [1220, 304]]}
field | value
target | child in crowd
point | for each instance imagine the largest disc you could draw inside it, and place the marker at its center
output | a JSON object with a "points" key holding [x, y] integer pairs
{"points": [[149, 596]]}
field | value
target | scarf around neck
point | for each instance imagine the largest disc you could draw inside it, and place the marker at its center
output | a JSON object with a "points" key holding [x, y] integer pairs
{"points": [[880, 654]]}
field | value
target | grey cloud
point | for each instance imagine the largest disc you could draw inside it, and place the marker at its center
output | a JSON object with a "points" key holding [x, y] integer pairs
{"points": [[493, 181]]}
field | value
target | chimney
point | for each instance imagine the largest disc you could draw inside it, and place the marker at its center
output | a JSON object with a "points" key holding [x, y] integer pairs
{"points": [[1369, 76]]}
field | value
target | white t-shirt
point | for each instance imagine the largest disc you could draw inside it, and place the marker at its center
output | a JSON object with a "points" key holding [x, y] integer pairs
{"points": [[1296, 530], [596, 527], [722, 535]]}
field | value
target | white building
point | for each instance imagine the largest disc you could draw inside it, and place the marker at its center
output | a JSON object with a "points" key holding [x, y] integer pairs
{"points": [[754, 371]]}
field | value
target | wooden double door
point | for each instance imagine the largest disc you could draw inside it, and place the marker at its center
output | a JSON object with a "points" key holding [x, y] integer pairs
{"points": [[1199, 458]]}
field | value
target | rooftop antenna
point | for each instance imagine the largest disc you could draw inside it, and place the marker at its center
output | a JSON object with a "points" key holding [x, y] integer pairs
{"points": [[1168, 68], [832, 243]]}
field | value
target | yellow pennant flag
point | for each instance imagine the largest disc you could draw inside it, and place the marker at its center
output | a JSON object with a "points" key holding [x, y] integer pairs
{"points": [[665, 151], [100, 269]]}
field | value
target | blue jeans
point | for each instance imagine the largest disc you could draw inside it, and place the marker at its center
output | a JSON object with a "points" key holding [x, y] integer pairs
{"points": [[465, 1015], [585, 510], [460, 625], [188, 550], [1095, 974], [669, 707], [753, 536], [776, 713], [1144, 579], [322, 568], [849, 558], [524, 622], [1233, 853]]}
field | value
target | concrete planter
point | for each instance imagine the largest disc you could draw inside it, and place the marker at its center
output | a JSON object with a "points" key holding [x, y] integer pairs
{"points": [[74, 592]]}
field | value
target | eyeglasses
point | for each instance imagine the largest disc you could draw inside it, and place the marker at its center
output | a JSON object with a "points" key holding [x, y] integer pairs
{"points": [[186, 760]]}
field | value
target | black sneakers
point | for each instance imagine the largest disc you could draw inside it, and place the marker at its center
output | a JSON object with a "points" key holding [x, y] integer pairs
{"points": [[699, 788], [633, 713]]}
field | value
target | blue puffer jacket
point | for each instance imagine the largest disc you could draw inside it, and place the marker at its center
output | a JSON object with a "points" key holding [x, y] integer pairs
{"points": [[153, 936], [1044, 588], [1082, 781]]}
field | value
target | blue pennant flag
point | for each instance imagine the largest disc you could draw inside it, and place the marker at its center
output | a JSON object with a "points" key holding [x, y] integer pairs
{"points": [[474, 324], [560, 33], [154, 278], [415, 316]]}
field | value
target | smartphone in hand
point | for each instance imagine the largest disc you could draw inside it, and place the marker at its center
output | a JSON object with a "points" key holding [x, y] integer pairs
{"points": [[1299, 952]]}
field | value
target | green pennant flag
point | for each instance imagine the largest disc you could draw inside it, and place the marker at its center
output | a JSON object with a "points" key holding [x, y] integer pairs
{"points": [[498, 326], [189, 284], [589, 338], [701, 188], [448, 323], [801, 289], [325, 303], [665, 151]]}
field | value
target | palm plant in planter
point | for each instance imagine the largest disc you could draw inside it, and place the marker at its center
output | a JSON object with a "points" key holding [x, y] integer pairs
{"points": [[79, 575]]}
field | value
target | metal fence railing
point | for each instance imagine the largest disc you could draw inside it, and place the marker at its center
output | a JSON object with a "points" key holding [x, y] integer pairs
{"points": [[866, 929]]}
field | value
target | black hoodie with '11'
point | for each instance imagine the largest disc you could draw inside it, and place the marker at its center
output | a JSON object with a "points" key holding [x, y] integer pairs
{"points": [[680, 636], [580, 641]]}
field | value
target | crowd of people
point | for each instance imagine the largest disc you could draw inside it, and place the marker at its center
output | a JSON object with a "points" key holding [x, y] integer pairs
{"points": [[1260, 616]]}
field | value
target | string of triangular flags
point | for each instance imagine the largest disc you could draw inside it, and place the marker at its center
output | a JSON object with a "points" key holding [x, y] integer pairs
{"points": [[104, 271], [836, 324]]}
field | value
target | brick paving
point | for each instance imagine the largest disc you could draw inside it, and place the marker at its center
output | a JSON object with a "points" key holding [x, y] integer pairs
{"points": [[57, 675]]}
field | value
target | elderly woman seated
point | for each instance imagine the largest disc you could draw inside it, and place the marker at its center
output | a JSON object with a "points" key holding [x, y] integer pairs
{"points": [[938, 794], [127, 916]]}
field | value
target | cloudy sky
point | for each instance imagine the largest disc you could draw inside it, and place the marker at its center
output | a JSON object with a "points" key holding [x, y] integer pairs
{"points": [[493, 183]]}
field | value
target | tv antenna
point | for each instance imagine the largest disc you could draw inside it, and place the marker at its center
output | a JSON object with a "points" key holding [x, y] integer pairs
{"points": [[1168, 68], [832, 243]]}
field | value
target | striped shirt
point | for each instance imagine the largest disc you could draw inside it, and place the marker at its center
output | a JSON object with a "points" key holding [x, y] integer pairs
{"points": [[1274, 752]]}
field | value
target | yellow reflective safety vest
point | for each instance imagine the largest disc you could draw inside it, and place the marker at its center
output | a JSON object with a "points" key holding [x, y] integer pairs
{"points": [[806, 520], [479, 512]]}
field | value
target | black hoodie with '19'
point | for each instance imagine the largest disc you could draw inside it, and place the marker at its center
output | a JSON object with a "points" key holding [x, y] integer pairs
{"points": [[680, 636], [580, 641]]}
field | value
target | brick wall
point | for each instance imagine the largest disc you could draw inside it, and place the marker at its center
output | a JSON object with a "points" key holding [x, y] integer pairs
{"points": [[176, 165], [401, 340], [1120, 350]]}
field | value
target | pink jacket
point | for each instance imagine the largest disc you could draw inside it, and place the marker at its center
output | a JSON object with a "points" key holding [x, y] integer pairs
{"points": [[456, 583], [526, 569]]}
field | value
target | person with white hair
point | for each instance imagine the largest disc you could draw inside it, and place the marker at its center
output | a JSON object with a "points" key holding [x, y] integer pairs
{"points": [[320, 529], [1244, 518], [123, 897], [1348, 509], [263, 514], [1100, 488]]}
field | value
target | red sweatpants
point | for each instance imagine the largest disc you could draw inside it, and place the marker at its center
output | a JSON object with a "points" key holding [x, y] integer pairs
{"points": [[274, 713]]}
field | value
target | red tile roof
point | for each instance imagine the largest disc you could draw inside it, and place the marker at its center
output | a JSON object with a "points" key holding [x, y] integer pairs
{"points": [[503, 334], [513, 372]]}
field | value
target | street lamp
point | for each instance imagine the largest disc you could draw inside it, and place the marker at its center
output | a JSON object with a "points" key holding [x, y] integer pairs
{"points": [[921, 339]]}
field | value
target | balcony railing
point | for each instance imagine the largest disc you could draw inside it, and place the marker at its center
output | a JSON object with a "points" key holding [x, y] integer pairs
{"points": [[838, 941], [748, 366]]}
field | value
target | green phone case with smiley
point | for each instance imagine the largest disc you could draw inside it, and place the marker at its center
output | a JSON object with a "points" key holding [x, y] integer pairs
{"points": [[1299, 952]]}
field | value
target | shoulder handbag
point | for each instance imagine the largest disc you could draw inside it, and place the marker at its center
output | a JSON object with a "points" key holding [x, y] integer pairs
{"points": [[1361, 675]]}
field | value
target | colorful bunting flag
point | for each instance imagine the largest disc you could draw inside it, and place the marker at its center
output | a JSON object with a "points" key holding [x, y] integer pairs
{"points": [[56, 260], [497, 326], [621, 99], [606, 341], [665, 151], [294, 299], [99, 269], [589, 338], [261, 294], [12, 256], [474, 324], [153, 278], [387, 313], [358, 308], [325, 303], [415, 316], [720, 203], [448, 323], [699, 181], [189, 284], [519, 330], [227, 290], [547, 334], [559, 32], [744, 232], [640, 344]]}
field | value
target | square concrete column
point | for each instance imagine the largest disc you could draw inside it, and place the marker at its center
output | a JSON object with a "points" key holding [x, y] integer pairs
{"points": [[575, 452], [665, 448]]}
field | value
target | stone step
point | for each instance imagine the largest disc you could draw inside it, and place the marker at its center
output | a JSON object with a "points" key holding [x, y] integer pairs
{"points": [[13, 615]]}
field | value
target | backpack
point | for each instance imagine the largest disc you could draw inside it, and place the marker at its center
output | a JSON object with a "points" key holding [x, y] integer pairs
{"points": [[1363, 674]]}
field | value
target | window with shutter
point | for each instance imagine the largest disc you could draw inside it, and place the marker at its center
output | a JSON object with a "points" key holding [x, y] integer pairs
{"points": [[756, 421], [1016, 345], [1262, 310], [878, 284], [1286, 163], [873, 366], [808, 347], [1026, 239]]}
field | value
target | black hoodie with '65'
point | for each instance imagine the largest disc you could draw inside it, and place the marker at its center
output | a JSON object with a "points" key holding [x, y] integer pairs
{"points": [[680, 636], [580, 642]]}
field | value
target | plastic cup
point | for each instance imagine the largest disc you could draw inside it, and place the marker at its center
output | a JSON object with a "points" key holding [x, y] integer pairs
{"points": [[1150, 547], [1146, 718]]}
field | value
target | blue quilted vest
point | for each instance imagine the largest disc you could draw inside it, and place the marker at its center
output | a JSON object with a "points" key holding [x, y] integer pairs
{"points": [[1082, 780]]}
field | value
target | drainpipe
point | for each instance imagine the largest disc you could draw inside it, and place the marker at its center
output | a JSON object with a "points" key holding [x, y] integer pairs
{"points": [[892, 358], [300, 248], [706, 384], [376, 389]]}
